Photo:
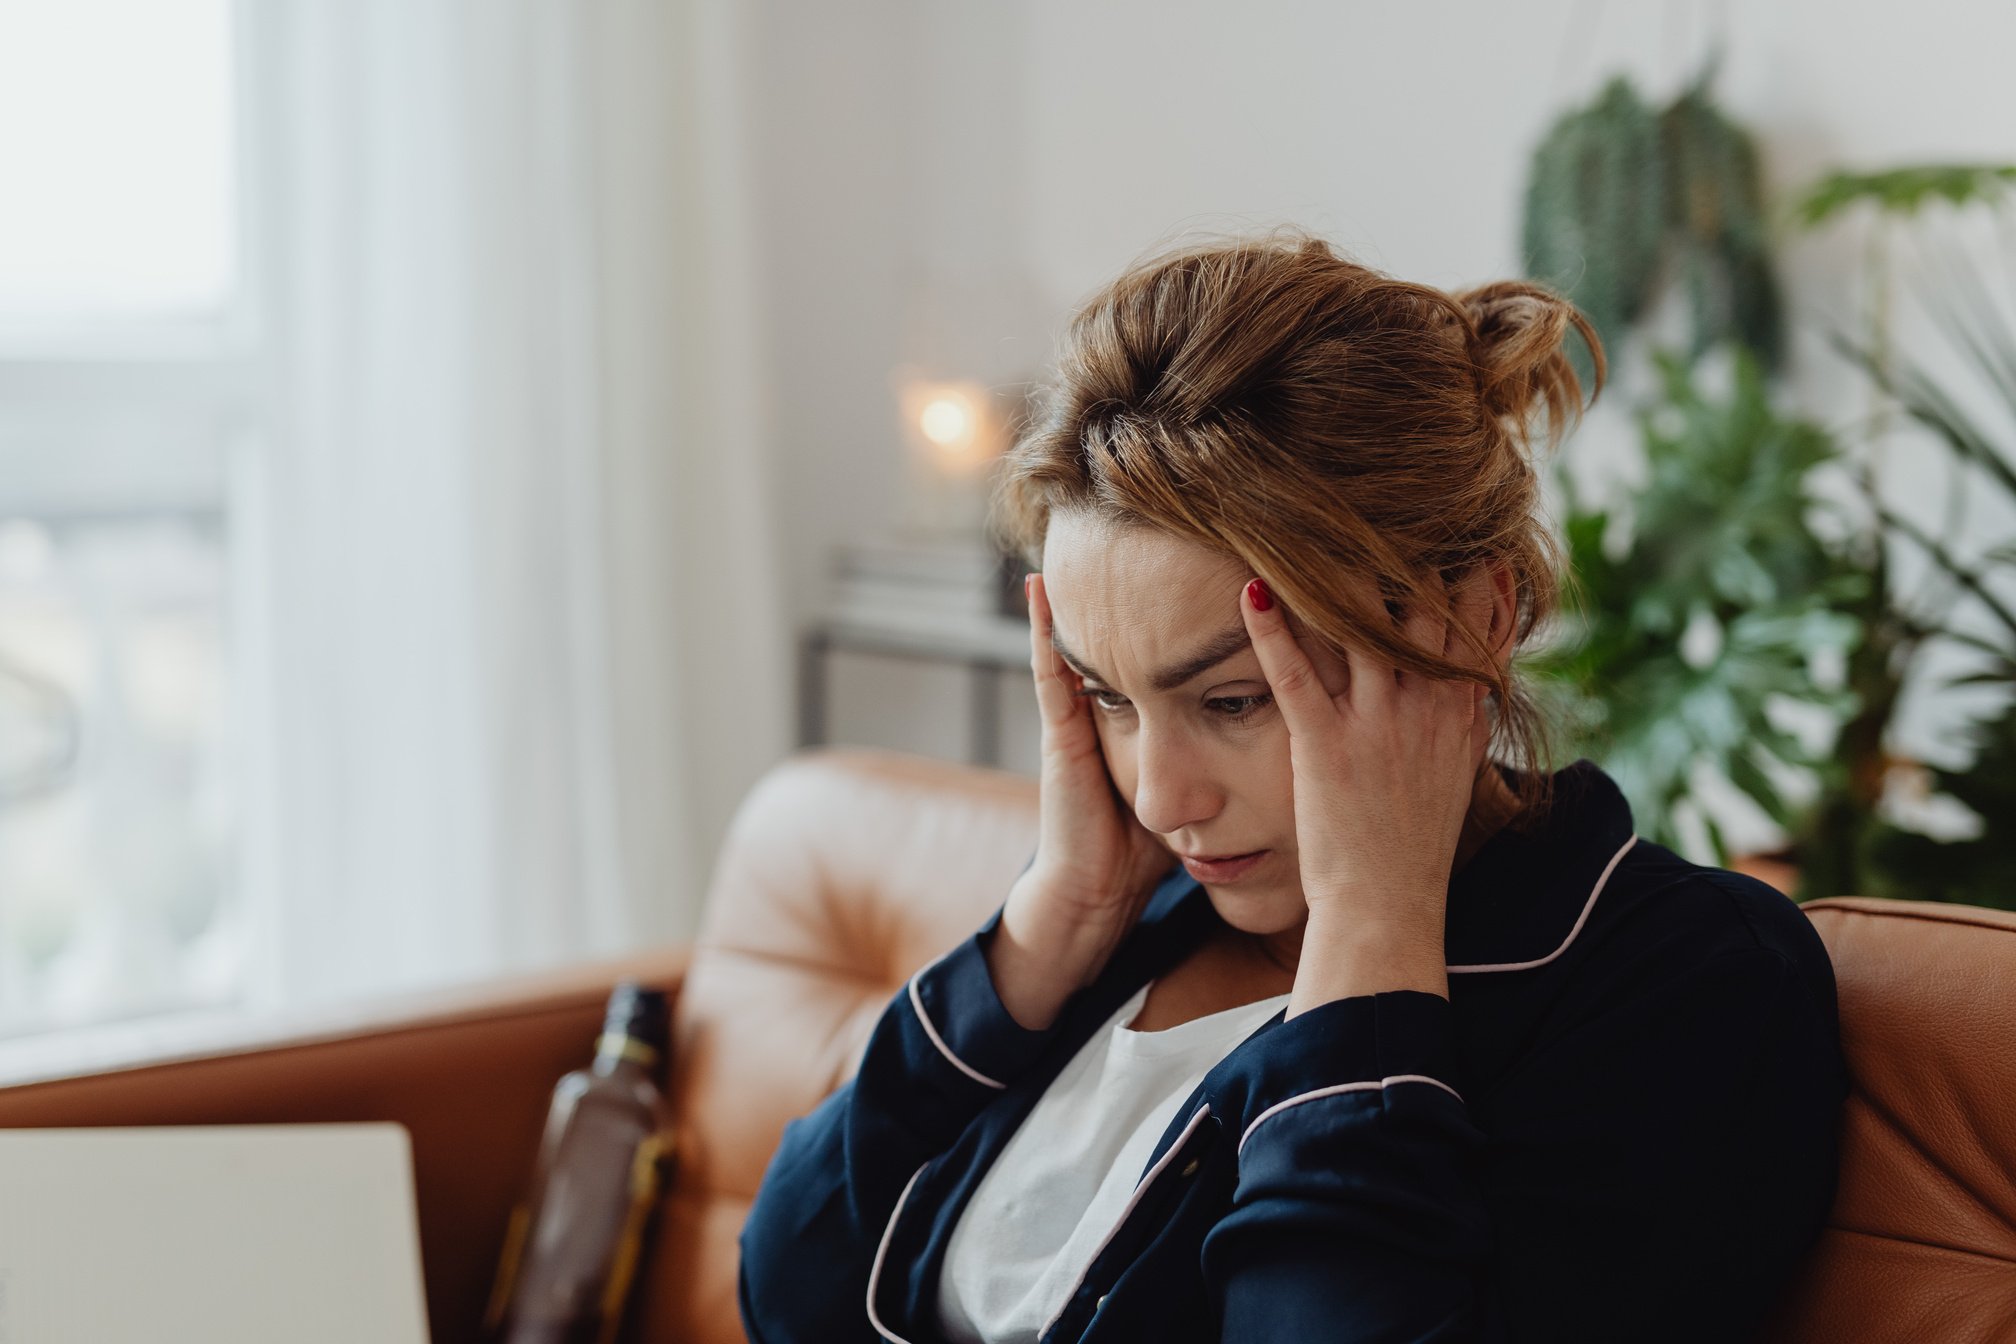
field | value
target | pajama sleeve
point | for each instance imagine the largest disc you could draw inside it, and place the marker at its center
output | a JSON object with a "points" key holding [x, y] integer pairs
{"points": [[941, 1050]]}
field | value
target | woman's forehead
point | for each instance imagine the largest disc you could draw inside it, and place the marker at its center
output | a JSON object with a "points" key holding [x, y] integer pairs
{"points": [[1127, 604], [1097, 565]]}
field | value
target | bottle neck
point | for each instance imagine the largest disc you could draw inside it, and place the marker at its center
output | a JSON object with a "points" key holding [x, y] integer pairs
{"points": [[614, 1049]]}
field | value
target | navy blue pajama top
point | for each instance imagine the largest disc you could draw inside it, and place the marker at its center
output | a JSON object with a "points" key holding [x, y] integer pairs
{"points": [[1620, 1125]]}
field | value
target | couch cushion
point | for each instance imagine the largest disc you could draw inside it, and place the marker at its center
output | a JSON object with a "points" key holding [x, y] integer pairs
{"points": [[1921, 1244], [843, 871]]}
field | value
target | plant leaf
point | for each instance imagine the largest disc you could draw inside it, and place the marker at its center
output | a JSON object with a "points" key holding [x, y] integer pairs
{"points": [[1903, 190]]}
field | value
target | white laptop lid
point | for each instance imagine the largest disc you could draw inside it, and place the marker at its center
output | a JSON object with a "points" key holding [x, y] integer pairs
{"points": [[230, 1234]]}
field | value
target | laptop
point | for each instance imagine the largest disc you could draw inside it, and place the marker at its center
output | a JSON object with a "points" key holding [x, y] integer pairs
{"points": [[228, 1234]]}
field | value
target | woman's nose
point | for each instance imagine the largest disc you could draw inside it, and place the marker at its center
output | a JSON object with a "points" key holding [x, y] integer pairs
{"points": [[1172, 783]]}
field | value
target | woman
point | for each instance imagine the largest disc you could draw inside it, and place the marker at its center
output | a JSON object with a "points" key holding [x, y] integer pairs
{"points": [[1309, 1019]]}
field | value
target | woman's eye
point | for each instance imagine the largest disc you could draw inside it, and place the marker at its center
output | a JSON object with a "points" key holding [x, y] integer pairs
{"points": [[1230, 708], [1239, 708]]}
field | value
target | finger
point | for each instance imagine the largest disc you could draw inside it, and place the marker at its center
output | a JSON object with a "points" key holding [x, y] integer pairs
{"points": [[1053, 691], [1333, 668], [1472, 599], [1427, 630], [1476, 616], [1374, 679], [1455, 695], [1305, 706], [1433, 632], [1474, 691]]}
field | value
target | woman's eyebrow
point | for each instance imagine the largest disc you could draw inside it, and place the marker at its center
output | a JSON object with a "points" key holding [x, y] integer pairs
{"points": [[1221, 647]]}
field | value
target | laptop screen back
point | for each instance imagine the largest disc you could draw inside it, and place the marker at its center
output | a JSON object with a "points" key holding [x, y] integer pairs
{"points": [[234, 1234]]}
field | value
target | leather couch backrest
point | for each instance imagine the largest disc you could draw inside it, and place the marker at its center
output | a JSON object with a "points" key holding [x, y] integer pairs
{"points": [[1921, 1244], [845, 869]]}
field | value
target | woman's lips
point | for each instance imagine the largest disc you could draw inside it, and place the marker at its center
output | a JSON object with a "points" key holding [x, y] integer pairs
{"points": [[1225, 870]]}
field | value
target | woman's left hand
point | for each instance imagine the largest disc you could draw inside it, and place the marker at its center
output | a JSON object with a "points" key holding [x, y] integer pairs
{"points": [[1384, 765]]}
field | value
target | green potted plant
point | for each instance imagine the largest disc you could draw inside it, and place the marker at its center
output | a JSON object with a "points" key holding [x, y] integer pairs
{"points": [[1689, 618], [1849, 845], [1621, 200]]}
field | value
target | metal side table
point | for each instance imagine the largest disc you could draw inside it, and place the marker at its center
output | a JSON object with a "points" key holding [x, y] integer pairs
{"points": [[985, 645]]}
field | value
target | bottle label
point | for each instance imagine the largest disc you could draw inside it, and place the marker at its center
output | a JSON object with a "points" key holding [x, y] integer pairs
{"points": [[615, 1044]]}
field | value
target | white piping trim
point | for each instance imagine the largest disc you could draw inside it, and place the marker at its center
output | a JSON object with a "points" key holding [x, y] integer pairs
{"points": [[881, 1250], [1147, 1179], [1582, 919], [1280, 1106], [917, 1002]]}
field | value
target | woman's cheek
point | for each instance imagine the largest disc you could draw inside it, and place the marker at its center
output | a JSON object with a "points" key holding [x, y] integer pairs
{"points": [[1119, 754]]}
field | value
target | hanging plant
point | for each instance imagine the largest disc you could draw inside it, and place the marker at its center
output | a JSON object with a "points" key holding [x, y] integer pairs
{"points": [[1717, 226], [1595, 217], [1619, 197]]}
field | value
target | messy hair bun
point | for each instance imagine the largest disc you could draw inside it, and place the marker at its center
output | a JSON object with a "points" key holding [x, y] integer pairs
{"points": [[1320, 421], [1517, 336]]}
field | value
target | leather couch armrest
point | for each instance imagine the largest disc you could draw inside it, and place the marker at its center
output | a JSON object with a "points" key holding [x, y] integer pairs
{"points": [[467, 1071]]}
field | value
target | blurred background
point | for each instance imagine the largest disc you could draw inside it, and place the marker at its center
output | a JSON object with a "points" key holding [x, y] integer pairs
{"points": [[449, 449]]}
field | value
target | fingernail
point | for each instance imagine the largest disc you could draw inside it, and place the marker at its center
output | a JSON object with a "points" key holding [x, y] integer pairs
{"points": [[1257, 594]]}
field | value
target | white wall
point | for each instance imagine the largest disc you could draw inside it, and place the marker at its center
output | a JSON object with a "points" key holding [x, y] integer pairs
{"points": [[947, 179]]}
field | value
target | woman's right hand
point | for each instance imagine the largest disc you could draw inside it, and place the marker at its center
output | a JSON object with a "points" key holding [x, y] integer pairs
{"points": [[1096, 864]]}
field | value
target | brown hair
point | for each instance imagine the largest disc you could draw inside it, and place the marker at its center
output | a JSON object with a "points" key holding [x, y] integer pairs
{"points": [[1278, 403]]}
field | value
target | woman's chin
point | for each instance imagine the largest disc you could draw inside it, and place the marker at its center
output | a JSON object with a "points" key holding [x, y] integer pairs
{"points": [[1258, 910]]}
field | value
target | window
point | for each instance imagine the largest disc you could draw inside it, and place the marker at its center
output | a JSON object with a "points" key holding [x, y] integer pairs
{"points": [[115, 136], [123, 398]]}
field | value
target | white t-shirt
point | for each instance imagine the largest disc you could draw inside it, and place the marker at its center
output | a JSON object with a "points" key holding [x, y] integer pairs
{"points": [[1028, 1233]]}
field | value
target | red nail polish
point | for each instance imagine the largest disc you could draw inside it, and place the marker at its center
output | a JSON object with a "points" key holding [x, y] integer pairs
{"points": [[1257, 594]]}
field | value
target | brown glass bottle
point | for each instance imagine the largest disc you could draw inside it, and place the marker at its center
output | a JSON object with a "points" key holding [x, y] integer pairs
{"points": [[573, 1242]]}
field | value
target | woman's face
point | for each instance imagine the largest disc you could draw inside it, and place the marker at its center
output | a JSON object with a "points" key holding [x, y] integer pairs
{"points": [[1151, 625], [1193, 739]]}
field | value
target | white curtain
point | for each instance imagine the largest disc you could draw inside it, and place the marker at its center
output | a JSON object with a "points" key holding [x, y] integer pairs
{"points": [[516, 644]]}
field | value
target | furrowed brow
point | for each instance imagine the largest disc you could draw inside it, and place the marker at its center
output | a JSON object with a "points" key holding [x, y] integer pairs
{"points": [[1221, 647]]}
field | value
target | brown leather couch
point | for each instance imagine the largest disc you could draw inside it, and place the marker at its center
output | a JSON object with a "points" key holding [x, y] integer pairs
{"points": [[844, 870]]}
